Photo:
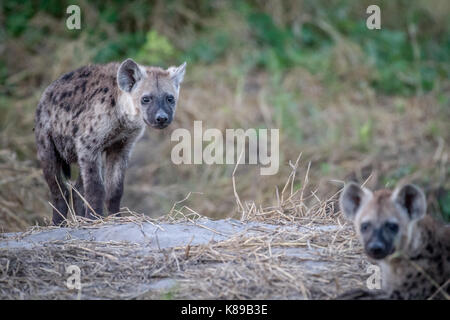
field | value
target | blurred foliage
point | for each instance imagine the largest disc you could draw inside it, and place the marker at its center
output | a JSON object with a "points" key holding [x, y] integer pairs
{"points": [[209, 48], [157, 50], [444, 203], [407, 55], [365, 135]]}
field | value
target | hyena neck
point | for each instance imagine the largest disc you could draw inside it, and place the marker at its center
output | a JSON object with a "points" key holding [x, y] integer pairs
{"points": [[412, 255], [394, 271], [128, 114]]}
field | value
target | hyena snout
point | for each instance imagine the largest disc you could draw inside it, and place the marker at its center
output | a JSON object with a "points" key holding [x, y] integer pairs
{"points": [[381, 244], [159, 118], [378, 249], [162, 119]]}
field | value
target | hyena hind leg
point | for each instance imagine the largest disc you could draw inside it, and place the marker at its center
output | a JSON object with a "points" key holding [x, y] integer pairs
{"points": [[52, 165]]}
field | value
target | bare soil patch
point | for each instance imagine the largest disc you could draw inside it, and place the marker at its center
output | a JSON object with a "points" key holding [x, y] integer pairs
{"points": [[264, 256]]}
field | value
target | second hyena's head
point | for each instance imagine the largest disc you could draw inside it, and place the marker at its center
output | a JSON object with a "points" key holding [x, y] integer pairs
{"points": [[383, 219], [150, 92]]}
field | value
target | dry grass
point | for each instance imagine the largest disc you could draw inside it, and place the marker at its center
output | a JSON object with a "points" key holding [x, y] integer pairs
{"points": [[23, 194]]}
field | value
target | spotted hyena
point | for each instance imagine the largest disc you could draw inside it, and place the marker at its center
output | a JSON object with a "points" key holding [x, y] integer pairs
{"points": [[96, 110], [411, 248]]}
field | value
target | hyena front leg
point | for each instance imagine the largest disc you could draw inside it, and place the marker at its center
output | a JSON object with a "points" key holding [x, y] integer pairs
{"points": [[52, 165], [78, 202], [94, 190], [116, 163]]}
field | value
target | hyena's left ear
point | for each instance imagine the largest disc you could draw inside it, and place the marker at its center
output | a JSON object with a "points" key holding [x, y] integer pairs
{"points": [[177, 74], [412, 200], [128, 75], [352, 199]]}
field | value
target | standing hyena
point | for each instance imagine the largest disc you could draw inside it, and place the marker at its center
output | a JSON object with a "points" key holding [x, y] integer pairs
{"points": [[411, 248], [100, 109]]}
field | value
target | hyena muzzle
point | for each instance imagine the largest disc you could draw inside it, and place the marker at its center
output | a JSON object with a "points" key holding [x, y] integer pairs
{"points": [[96, 110]]}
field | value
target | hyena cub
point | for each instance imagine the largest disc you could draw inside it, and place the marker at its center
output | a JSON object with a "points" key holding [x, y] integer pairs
{"points": [[95, 110], [411, 248]]}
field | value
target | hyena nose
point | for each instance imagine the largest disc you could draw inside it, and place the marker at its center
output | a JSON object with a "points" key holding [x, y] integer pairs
{"points": [[376, 249], [162, 118]]}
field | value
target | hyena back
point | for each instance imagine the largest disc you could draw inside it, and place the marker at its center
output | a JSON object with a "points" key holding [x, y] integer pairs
{"points": [[95, 110], [411, 247]]}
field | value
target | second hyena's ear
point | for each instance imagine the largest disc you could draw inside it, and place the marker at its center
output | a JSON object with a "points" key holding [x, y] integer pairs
{"points": [[352, 198], [412, 200], [177, 74], [128, 75]]}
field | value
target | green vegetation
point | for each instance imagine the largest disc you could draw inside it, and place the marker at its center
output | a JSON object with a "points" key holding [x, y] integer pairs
{"points": [[444, 203], [407, 56]]}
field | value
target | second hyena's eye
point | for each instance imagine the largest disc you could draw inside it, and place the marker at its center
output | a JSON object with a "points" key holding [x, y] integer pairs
{"points": [[145, 99], [391, 226], [170, 99], [365, 226]]}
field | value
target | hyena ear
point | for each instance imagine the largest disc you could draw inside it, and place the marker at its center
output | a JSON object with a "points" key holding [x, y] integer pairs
{"points": [[177, 74], [128, 75], [412, 200], [351, 199]]}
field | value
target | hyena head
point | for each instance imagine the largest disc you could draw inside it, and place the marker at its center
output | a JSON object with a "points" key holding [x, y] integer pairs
{"points": [[383, 220], [150, 91]]}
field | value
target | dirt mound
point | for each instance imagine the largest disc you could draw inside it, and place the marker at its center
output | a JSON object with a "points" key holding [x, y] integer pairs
{"points": [[194, 258]]}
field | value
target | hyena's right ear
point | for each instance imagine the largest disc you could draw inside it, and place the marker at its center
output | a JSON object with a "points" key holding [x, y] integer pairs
{"points": [[351, 199], [411, 199], [128, 75], [177, 74]]}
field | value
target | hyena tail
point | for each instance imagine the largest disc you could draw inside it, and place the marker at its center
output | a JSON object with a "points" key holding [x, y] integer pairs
{"points": [[66, 169]]}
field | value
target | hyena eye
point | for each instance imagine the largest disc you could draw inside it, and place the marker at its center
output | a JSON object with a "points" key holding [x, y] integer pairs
{"points": [[365, 226], [170, 99], [391, 226], [145, 99]]}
